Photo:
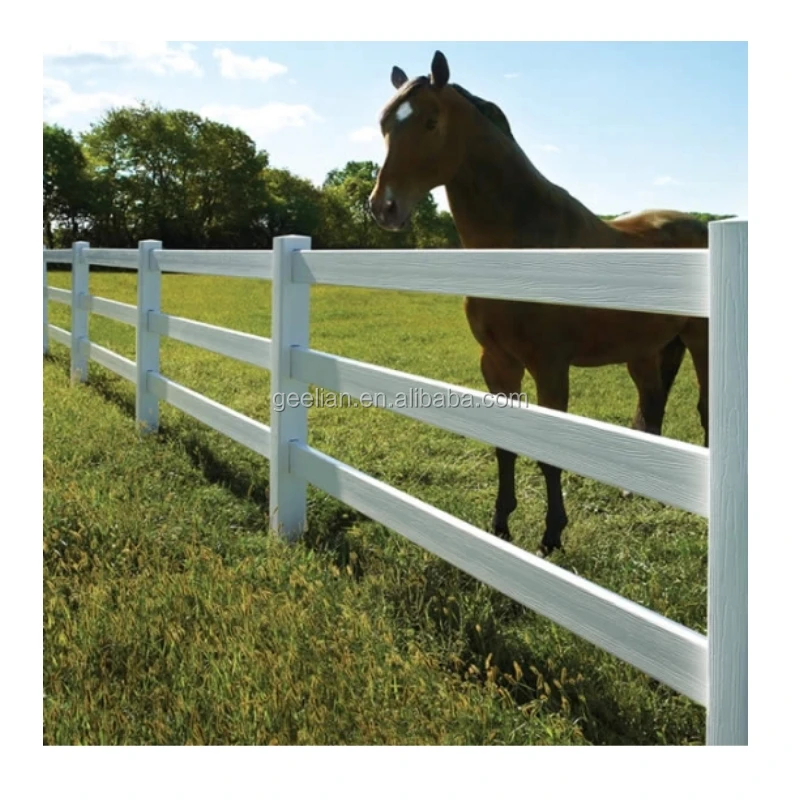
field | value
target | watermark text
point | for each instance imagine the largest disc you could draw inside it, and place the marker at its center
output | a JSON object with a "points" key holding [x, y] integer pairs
{"points": [[411, 398]]}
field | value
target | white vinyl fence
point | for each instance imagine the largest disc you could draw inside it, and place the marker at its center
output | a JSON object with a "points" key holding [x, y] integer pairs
{"points": [[712, 669]]}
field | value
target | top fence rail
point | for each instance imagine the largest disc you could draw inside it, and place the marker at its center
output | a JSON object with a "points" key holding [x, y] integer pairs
{"points": [[654, 281], [112, 257], [231, 264], [663, 281], [57, 256]]}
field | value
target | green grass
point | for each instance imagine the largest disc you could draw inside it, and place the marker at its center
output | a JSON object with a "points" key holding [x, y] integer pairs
{"points": [[171, 616]]}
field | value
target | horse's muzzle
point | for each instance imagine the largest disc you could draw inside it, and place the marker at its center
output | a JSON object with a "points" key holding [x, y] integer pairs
{"points": [[387, 214]]}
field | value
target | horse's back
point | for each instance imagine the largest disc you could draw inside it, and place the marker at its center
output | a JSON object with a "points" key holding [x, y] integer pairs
{"points": [[661, 228]]}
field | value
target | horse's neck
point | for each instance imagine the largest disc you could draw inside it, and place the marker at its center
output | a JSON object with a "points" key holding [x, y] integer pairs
{"points": [[499, 199]]}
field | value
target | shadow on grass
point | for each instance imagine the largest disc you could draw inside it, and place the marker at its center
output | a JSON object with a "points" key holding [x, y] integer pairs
{"points": [[483, 626], [238, 482], [328, 520], [480, 635], [328, 531]]}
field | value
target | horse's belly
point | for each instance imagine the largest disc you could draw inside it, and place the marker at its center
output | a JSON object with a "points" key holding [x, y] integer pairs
{"points": [[535, 333], [616, 337]]}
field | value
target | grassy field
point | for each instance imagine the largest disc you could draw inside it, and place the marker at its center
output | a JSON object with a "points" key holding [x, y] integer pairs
{"points": [[172, 617]]}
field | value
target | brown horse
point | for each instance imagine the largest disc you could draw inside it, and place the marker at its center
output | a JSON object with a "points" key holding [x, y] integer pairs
{"points": [[437, 133]]}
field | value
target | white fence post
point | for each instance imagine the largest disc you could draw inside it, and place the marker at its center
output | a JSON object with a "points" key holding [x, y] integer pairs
{"points": [[148, 298], [79, 362], [45, 330], [290, 320], [727, 532]]}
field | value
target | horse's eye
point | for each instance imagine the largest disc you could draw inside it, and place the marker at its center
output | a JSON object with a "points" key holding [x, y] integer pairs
{"points": [[431, 124]]}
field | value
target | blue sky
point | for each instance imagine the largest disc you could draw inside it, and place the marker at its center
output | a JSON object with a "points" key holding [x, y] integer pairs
{"points": [[621, 125]]}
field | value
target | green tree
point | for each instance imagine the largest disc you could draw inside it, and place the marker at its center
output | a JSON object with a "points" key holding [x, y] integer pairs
{"points": [[431, 227], [294, 205], [66, 192], [337, 230], [174, 176], [362, 171], [348, 190]]}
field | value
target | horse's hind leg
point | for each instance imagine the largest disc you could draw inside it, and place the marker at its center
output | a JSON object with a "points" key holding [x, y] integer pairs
{"points": [[671, 358], [695, 335], [552, 391], [654, 377], [646, 374], [503, 376]]}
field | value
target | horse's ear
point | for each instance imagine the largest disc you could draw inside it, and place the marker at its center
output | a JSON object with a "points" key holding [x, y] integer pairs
{"points": [[440, 72], [398, 77]]}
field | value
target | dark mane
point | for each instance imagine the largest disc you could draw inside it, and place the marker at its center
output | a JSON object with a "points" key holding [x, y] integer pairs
{"points": [[489, 110]]}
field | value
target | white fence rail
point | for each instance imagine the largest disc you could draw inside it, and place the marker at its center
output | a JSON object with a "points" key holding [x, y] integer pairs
{"points": [[712, 669]]}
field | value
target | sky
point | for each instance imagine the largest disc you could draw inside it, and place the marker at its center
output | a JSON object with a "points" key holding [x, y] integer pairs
{"points": [[623, 126]]}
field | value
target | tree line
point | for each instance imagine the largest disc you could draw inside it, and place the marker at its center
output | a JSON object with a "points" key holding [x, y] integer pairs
{"points": [[144, 172], [147, 173]]}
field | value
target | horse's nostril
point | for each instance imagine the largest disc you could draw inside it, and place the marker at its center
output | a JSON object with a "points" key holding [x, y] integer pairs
{"points": [[391, 206]]}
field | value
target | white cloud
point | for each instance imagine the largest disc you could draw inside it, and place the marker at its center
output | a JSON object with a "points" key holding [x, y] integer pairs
{"points": [[550, 148], [511, 75], [263, 119], [369, 133], [235, 67], [60, 100], [160, 58], [666, 180]]}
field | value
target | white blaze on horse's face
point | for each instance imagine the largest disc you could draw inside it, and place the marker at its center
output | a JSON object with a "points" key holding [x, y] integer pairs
{"points": [[404, 111]]}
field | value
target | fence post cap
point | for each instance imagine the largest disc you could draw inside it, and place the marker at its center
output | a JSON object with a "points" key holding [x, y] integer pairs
{"points": [[290, 237]]}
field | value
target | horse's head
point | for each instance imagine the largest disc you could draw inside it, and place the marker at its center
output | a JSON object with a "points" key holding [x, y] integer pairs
{"points": [[422, 148]]}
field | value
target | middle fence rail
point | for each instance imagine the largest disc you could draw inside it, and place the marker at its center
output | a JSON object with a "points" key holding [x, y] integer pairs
{"points": [[673, 472]]}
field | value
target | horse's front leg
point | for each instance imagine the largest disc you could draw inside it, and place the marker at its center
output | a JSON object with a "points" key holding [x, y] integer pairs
{"points": [[503, 376], [552, 389]]}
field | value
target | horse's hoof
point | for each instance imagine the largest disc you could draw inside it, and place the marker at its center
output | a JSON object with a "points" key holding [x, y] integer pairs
{"points": [[499, 528], [546, 550]]}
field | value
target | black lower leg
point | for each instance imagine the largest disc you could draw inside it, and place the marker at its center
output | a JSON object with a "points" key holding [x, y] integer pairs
{"points": [[506, 497], [556, 519], [651, 409], [702, 408]]}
